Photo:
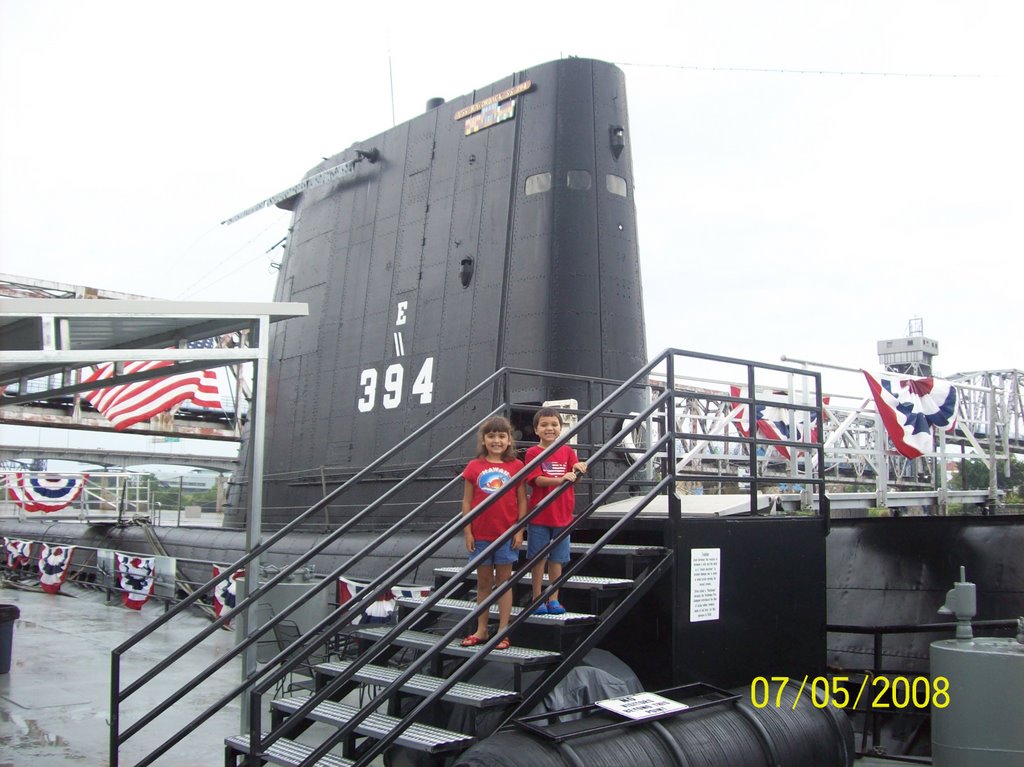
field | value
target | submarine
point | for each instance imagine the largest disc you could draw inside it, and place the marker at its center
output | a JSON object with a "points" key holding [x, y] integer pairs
{"points": [[483, 257], [495, 230]]}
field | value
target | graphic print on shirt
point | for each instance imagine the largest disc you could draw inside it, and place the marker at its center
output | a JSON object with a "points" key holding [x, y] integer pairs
{"points": [[492, 480], [553, 468]]}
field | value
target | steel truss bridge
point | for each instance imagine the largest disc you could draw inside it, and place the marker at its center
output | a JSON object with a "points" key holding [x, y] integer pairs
{"points": [[860, 464]]}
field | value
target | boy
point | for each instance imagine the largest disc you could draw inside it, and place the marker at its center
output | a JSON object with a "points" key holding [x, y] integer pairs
{"points": [[563, 465]]}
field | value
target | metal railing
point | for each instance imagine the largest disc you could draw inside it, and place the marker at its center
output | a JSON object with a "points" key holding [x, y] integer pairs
{"points": [[660, 455]]}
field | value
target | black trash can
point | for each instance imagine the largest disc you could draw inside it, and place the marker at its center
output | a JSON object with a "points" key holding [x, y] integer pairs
{"points": [[8, 614]]}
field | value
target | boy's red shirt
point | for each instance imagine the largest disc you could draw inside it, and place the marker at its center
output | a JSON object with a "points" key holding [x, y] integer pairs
{"points": [[558, 513]]}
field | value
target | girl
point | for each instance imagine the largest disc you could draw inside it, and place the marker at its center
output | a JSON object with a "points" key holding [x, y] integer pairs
{"points": [[492, 469]]}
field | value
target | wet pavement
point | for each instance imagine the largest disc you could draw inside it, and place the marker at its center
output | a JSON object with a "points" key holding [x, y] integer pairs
{"points": [[54, 702]]}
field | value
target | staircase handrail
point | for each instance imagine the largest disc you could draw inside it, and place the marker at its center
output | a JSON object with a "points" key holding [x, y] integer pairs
{"points": [[470, 665], [424, 551]]}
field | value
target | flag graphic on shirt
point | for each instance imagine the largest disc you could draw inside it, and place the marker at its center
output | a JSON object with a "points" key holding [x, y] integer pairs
{"points": [[53, 566], [128, 404], [135, 577], [18, 552], [910, 407], [553, 468], [46, 493]]}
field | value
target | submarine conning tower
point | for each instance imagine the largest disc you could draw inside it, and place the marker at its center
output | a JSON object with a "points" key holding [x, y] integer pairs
{"points": [[496, 229]]}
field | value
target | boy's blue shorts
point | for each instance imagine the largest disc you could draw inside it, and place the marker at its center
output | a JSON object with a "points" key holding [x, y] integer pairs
{"points": [[538, 536], [503, 555]]}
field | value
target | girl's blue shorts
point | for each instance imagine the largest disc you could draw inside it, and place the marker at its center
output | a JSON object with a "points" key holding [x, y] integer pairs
{"points": [[503, 555]]}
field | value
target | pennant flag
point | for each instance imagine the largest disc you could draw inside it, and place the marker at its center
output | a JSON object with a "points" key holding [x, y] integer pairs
{"points": [[53, 566], [383, 607], [18, 552], [46, 493], [773, 423], [132, 403], [225, 593], [135, 577], [910, 407]]}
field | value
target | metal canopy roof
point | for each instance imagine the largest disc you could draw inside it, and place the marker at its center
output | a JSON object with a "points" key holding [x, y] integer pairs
{"points": [[48, 336]]}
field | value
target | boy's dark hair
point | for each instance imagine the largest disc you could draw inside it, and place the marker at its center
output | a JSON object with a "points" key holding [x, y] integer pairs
{"points": [[500, 424], [547, 412]]}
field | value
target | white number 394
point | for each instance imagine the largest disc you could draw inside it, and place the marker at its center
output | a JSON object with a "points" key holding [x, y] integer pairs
{"points": [[394, 376]]}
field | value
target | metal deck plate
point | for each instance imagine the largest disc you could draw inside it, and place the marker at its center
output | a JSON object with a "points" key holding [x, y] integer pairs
{"points": [[620, 549], [420, 640], [287, 752], [588, 582], [464, 606], [420, 737], [423, 684]]}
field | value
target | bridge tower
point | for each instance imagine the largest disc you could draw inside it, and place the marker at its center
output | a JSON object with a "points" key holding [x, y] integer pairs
{"points": [[910, 355]]}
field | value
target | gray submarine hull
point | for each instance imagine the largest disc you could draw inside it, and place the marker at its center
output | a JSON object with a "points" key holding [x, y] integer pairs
{"points": [[497, 229]]}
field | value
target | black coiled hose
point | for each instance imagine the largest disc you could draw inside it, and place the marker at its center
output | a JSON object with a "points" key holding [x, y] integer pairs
{"points": [[734, 734]]}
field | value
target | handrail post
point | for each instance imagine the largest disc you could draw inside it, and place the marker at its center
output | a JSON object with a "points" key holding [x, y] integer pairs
{"points": [[674, 505], [752, 431], [254, 524], [115, 708], [679, 571]]}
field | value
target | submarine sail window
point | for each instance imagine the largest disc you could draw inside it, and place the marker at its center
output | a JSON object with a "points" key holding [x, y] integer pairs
{"points": [[615, 184], [538, 182], [578, 179]]}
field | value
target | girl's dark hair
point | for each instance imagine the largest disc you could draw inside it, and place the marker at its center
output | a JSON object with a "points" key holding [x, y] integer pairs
{"points": [[491, 425]]}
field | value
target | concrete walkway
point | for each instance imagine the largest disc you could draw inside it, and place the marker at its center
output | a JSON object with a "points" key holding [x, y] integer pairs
{"points": [[54, 703]]}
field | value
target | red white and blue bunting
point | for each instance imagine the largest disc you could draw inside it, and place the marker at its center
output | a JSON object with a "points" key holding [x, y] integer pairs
{"points": [[17, 552], [53, 566], [910, 407], [774, 421], [44, 492], [135, 577], [225, 593], [383, 607]]}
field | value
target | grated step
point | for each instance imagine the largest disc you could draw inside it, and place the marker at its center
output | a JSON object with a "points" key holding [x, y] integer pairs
{"points": [[620, 549], [588, 582], [464, 606], [474, 695], [421, 640], [419, 737], [288, 753]]}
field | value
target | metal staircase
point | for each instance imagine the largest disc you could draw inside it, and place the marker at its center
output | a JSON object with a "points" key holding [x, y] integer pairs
{"points": [[398, 696]]}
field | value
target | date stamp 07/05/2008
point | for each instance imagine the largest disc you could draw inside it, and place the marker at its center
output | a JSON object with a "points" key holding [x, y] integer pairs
{"points": [[883, 692]]}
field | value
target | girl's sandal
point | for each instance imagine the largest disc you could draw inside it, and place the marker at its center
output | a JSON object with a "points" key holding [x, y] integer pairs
{"points": [[504, 644], [472, 641]]}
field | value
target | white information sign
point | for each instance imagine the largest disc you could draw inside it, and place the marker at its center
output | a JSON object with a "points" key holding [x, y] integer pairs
{"points": [[705, 584], [642, 705]]}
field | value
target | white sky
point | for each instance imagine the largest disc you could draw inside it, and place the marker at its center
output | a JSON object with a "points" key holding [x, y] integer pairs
{"points": [[790, 213]]}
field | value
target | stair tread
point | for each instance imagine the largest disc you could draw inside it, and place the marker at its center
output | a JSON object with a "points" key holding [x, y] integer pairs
{"points": [[421, 640], [423, 684], [288, 753], [621, 549], [463, 606], [576, 581], [420, 737]]}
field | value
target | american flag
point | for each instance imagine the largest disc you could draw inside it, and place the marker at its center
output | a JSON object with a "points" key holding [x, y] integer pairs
{"points": [[132, 403]]}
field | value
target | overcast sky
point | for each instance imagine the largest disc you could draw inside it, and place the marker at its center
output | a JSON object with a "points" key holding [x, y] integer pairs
{"points": [[809, 175]]}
